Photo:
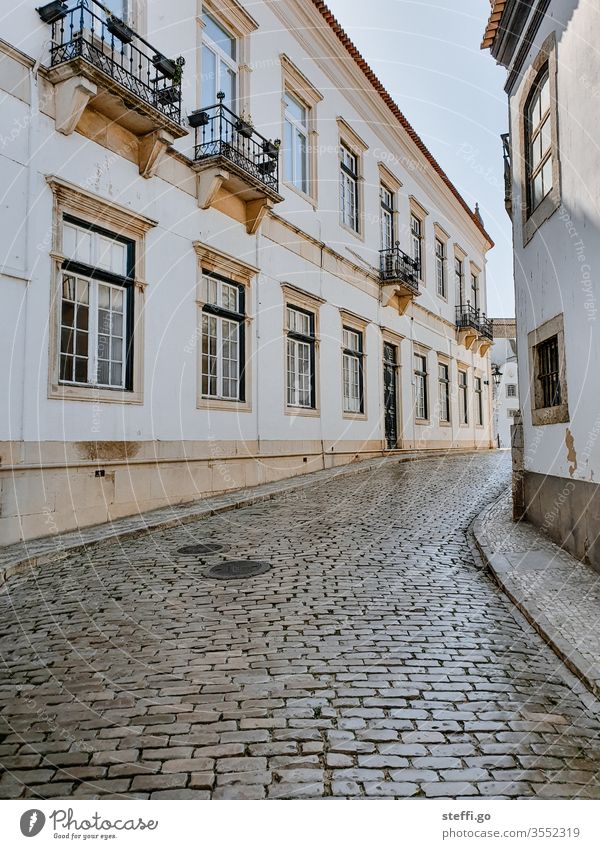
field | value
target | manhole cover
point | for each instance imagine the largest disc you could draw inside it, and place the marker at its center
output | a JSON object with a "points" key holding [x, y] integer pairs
{"points": [[238, 569], [201, 548]]}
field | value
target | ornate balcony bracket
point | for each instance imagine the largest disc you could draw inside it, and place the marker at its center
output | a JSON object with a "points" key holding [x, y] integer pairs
{"points": [[152, 148], [468, 337], [71, 97], [484, 346], [396, 295]]}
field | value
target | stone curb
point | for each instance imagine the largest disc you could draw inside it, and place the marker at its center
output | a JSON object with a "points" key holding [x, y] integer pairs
{"points": [[500, 567], [64, 545]]}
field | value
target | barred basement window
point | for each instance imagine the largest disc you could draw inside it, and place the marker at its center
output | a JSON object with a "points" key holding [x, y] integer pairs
{"points": [[549, 372], [444, 392], [300, 358], [96, 307], [352, 370], [223, 316], [421, 400]]}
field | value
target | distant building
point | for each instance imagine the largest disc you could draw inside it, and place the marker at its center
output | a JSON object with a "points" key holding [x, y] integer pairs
{"points": [[552, 166], [503, 356]]}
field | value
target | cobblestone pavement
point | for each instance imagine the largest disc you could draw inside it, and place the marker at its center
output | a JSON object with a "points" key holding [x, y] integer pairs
{"points": [[376, 658]]}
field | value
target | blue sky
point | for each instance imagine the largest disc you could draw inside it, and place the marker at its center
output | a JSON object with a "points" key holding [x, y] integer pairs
{"points": [[426, 53]]}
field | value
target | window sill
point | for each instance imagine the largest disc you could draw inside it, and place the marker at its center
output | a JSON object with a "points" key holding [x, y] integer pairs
{"points": [[308, 198], [550, 415], [356, 233], [541, 214], [445, 424], [223, 404], [312, 412], [423, 421], [91, 394], [361, 417]]}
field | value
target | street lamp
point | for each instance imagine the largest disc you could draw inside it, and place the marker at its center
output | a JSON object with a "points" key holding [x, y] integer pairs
{"points": [[496, 374]]}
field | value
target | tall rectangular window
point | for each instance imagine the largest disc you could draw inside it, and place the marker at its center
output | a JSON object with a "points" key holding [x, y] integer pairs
{"points": [[440, 268], [416, 233], [300, 358], [222, 339], [386, 198], [219, 63], [444, 392], [352, 371], [477, 390], [538, 141], [459, 280], [96, 307], [475, 291], [548, 372], [421, 399], [295, 151], [463, 397], [348, 188], [511, 390]]}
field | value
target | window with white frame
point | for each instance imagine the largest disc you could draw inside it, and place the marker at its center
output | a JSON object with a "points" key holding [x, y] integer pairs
{"points": [[478, 392], [352, 370], [440, 268], [459, 275], [444, 392], [96, 307], [474, 290], [300, 357], [511, 390], [463, 397], [416, 234], [219, 63], [295, 148], [421, 399], [349, 188], [222, 339], [387, 218]]}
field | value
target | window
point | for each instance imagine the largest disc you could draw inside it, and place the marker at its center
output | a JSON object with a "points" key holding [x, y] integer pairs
{"points": [[295, 152], [440, 268], [222, 339], [117, 7], [459, 279], [96, 307], [387, 218], [219, 64], [548, 372], [421, 400], [444, 392], [416, 234], [511, 390], [475, 291], [348, 188], [513, 413], [463, 397], [352, 370], [300, 358], [538, 133], [478, 392]]}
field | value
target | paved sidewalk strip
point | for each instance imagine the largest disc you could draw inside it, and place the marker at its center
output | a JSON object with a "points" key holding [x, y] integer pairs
{"points": [[557, 593], [37, 552]]}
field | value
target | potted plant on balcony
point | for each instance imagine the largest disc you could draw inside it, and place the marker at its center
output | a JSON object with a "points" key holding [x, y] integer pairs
{"points": [[171, 68], [271, 148], [119, 29], [53, 11], [198, 118], [244, 125], [267, 167], [171, 95]]}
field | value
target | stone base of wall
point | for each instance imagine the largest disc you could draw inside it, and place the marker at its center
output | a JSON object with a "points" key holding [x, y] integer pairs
{"points": [[53, 487], [568, 511]]}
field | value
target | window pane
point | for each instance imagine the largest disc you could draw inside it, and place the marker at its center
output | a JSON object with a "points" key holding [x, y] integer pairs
{"points": [[81, 375], [227, 83], [301, 161], [288, 155], [209, 75], [219, 35], [66, 341], [68, 288]]}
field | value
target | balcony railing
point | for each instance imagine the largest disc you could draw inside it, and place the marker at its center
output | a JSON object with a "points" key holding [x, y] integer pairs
{"points": [[88, 30], [220, 132], [398, 267], [468, 316]]}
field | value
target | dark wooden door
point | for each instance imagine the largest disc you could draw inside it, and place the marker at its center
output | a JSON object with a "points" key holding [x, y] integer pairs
{"points": [[390, 394]]}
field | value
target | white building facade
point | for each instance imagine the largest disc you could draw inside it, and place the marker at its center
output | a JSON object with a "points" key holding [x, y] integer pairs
{"points": [[552, 166], [505, 377], [189, 305]]}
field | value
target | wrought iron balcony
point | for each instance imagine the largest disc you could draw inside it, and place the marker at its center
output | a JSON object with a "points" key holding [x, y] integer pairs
{"points": [[399, 268], [470, 318], [88, 31], [221, 134]]}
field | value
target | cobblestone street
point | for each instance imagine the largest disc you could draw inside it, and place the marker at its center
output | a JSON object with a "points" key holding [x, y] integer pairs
{"points": [[376, 658]]}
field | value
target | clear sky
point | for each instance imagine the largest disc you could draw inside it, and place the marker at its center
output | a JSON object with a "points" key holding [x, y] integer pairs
{"points": [[426, 53]]}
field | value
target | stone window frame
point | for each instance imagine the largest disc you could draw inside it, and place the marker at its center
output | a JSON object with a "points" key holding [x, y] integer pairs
{"points": [[422, 351], [440, 235], [560, 413], [531, 223], [349, 139], [352, 321], [71, 200], [230, 268], [417, 210], [298, 85], [293, 296], [444, 360]]}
